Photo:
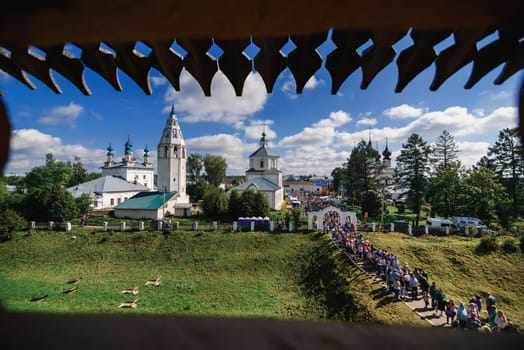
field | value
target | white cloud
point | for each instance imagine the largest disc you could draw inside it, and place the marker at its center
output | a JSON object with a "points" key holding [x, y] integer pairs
{"points": [[471, 152], [66, 115], [403, 111], [230, 147], [224, 107], [255, 129], [367, 122], [320, 136], [334, 120], [289, 88], [158, 80], [309, 159], [313, 82], [479, 112], [29, 146]]}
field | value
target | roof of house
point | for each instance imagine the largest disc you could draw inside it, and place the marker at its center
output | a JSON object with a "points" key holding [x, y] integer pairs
{"points": [[147, 200], [106, 184], [260, 183]]}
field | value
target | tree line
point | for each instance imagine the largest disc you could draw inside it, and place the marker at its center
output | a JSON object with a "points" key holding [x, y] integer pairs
{"points": [[433, 175]]}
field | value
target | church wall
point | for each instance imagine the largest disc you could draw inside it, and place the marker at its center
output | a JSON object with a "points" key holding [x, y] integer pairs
{"points": [[118, 197], [143, 176], [139, 213]]}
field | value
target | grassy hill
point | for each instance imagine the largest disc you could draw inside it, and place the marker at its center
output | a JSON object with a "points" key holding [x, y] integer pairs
{"points": [[288, 276], [284, 276], [454, 264]]}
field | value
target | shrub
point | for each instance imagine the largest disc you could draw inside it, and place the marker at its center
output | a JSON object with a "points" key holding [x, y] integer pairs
{"points": [[488, 244], [10, 221], [510, 246]]}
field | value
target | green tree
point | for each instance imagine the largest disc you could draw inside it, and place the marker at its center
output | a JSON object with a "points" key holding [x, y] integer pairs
{"points": [[3, 194], [215, 203], [411, 172], [445, 188], [10, 221], [235, 204], [508, 159], [445, 149], [254, 203], [362, 183], [215, 169], [339, 175], [483, 195], [78, 173], [195, 164], [52, 173], [197, 190], [83, 203], [49, 204]]}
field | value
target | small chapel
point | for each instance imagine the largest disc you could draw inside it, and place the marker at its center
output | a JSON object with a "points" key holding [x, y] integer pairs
{"points": [[264, 175]]}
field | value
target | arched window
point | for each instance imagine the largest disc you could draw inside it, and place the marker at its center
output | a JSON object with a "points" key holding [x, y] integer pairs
{"points": [[175, 149], [261, 163], [165, 151]]}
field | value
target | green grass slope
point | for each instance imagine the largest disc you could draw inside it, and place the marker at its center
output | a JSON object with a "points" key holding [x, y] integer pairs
{"points": [[288, 276], [454, 264]]}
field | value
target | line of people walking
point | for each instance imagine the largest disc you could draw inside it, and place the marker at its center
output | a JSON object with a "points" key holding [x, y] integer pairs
{"points": [[406, 283]]}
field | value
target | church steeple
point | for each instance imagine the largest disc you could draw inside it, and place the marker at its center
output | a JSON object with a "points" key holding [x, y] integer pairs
{"points": [[147, 161], [109, 155], [128, 151], [386, 153], [171, 158]]}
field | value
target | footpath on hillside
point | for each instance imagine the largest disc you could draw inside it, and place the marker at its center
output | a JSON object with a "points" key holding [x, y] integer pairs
{"points": [[417, 305]]}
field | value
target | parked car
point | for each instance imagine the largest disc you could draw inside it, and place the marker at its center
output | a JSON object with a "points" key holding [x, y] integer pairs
{"points": [[441, 225], [463, 221]]}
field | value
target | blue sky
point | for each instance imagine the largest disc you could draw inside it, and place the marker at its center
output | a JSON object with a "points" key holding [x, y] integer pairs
{"points": [[312, 132]]}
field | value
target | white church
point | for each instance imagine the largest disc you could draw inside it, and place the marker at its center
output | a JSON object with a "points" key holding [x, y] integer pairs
{"points": [[264, 175], [128, 186]]}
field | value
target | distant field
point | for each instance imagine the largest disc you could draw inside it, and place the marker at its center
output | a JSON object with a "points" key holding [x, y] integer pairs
{"points": [[453, 264], [284, 276]]}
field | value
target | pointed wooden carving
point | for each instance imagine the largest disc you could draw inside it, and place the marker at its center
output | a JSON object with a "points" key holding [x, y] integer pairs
{"points": [[102, 62], [270, 62], [198, 63], [344, 60], [234, 63]]}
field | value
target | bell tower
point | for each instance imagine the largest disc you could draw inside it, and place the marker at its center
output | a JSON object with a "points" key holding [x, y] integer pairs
{"points": [[171, 159]]}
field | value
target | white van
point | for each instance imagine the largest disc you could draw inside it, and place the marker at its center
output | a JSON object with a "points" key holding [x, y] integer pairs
{"points": [[439, 224], [463, 221]]}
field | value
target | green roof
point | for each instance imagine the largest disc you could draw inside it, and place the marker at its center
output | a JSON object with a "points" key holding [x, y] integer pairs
{"points": [[146, 200]]}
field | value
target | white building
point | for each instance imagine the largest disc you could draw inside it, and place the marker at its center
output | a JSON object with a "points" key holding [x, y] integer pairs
{"points": [[107, 191], [126, 179], [171, 165], [129, 169], [264, 175]]}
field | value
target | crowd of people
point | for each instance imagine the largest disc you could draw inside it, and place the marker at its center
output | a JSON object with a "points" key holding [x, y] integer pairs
{"points": [[407, 283]]}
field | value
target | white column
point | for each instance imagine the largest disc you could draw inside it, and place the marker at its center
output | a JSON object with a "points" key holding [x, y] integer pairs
{"points": [[374, 227], [68, 227], [235, 226], [426, 229], [252, 226], [215, 225], [105, 225], [141, 226], [410, 230], [271, 226], [392, 227], [122, 226]]}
